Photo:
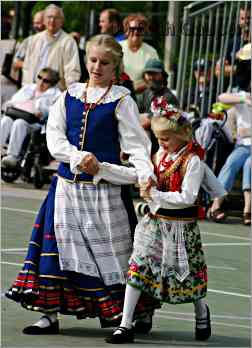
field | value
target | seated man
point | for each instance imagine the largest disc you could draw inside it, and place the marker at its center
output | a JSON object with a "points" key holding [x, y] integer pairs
{"points": [[35, 98], [155, 78]]}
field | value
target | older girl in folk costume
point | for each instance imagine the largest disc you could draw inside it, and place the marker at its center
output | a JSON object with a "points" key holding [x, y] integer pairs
{"points": [[168, 262], [81, 242]]}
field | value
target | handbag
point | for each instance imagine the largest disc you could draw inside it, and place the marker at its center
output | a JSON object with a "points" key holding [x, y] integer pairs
{"points": [[16, 113], [7, 63]]}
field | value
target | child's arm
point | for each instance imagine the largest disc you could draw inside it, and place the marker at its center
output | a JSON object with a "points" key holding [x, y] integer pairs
{"points": [[115, 174], [189, 189], [133, 138], [211, 184], [235, 98]]}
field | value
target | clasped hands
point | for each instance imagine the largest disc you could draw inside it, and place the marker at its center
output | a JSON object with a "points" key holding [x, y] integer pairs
{"points": [[89, 165], [145, 188]]}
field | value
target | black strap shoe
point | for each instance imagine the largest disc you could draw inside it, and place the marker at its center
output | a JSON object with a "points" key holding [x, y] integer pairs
{"points": [[52, 329], [124, 336], [202, 334], [143, 327]]}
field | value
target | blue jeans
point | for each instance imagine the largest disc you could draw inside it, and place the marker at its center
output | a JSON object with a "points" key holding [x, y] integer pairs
{"points": [[239, 158]]}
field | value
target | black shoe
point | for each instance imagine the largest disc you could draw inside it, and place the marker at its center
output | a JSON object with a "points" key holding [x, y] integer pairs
{"points": [[143, 327], [203, 334], [52, 329], [125, 336], [110, 323]]}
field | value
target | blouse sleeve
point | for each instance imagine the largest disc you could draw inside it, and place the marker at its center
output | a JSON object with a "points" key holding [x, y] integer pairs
{"points": [[57, 142], [211, 184], [189, 189], [133, 139]]}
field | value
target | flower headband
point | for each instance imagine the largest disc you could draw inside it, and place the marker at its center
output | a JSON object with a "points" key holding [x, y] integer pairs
{"points": [[161, 107]]}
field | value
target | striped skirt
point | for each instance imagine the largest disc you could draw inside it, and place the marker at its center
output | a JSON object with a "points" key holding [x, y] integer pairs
{"points": [[43, 286]]}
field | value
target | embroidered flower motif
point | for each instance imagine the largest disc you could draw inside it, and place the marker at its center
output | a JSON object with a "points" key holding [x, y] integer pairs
{"points": [[134, 267]]}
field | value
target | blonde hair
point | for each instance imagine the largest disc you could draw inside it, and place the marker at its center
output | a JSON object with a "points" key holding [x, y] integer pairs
{"points": [[181, 128], [111, 46]]}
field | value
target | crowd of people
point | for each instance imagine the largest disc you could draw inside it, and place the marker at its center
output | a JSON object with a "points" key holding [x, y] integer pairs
{"points": [[88, 256]]}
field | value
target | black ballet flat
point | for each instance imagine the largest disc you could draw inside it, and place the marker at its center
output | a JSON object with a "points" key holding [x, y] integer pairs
{"points": [[143, 327], [52, 329], [203, 334], [126, 336]]}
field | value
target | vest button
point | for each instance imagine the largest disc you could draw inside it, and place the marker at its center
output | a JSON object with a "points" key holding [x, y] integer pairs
{"points": [[82, 128], [80, 143], [81, 135]]}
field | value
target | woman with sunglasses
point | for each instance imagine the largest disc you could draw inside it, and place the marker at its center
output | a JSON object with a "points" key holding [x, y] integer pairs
{"points": [[34, 98], [136, 52]]}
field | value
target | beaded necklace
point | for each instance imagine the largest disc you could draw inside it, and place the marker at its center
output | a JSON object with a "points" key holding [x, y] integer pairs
{"points": [[91, 106]]}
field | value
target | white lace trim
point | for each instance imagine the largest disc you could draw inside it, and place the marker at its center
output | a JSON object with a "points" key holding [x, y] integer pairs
{"points": [[94, 93]]}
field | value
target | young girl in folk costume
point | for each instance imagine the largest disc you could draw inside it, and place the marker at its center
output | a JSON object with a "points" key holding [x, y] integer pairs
{"points": [[168, 262], [81, 242]]}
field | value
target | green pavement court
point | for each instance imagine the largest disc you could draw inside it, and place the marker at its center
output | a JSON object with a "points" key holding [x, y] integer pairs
{"points": [[227, 248]]}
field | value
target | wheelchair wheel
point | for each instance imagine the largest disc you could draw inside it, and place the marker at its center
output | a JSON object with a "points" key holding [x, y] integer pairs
{"points": [[10, 174], [38, 179]]}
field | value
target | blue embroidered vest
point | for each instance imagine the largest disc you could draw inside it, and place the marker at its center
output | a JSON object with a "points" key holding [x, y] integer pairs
{"points": [[101, 137]]}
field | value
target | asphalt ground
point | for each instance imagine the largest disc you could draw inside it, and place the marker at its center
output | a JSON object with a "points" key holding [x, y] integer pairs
{"points": [[227, 248]]}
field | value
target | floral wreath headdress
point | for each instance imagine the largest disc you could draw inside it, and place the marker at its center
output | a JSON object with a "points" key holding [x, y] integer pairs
{"points": [[161, 107], [177, 119]]}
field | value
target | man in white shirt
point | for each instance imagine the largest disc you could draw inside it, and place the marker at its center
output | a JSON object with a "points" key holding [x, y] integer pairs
{"points": [[52, 48]]}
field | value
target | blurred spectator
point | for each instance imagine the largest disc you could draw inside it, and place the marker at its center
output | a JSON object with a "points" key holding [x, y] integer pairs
{"points": [[155, 78], [240, 158], [136, 52], [243, 36], [203, 81], [84, 73], [110, 22], [52, 48], [34, 98], [6, 27], [38, 22], [37, 26]]}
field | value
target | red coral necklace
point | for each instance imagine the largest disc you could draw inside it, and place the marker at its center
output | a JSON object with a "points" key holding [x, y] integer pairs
{"points": [[91, 106]]}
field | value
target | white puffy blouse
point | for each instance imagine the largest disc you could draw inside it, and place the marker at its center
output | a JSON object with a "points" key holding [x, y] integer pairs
{"points": [[132, 137]]}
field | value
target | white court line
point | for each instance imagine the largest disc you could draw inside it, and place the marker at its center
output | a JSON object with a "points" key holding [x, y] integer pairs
{"points": [[224, 235], [20, 210], [213, 322], [14, 249], [226, 244], [229, 293], [220, 316], [12, 263], [222, 268]]}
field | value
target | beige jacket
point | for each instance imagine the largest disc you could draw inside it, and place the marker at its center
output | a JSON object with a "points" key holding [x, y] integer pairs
{"points": [[63, 57]]}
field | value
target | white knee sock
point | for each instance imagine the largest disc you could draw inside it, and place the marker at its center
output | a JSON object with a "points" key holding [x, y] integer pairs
{"points": [[130, 301], [44, 322], [200, 309]]}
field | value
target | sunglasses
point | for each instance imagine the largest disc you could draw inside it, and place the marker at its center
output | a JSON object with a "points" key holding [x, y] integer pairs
{"points": [[43, 80], [137, 29]]}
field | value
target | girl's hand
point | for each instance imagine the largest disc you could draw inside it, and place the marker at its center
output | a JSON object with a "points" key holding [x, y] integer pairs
{"points": [[89, 165], [145, 188]]}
